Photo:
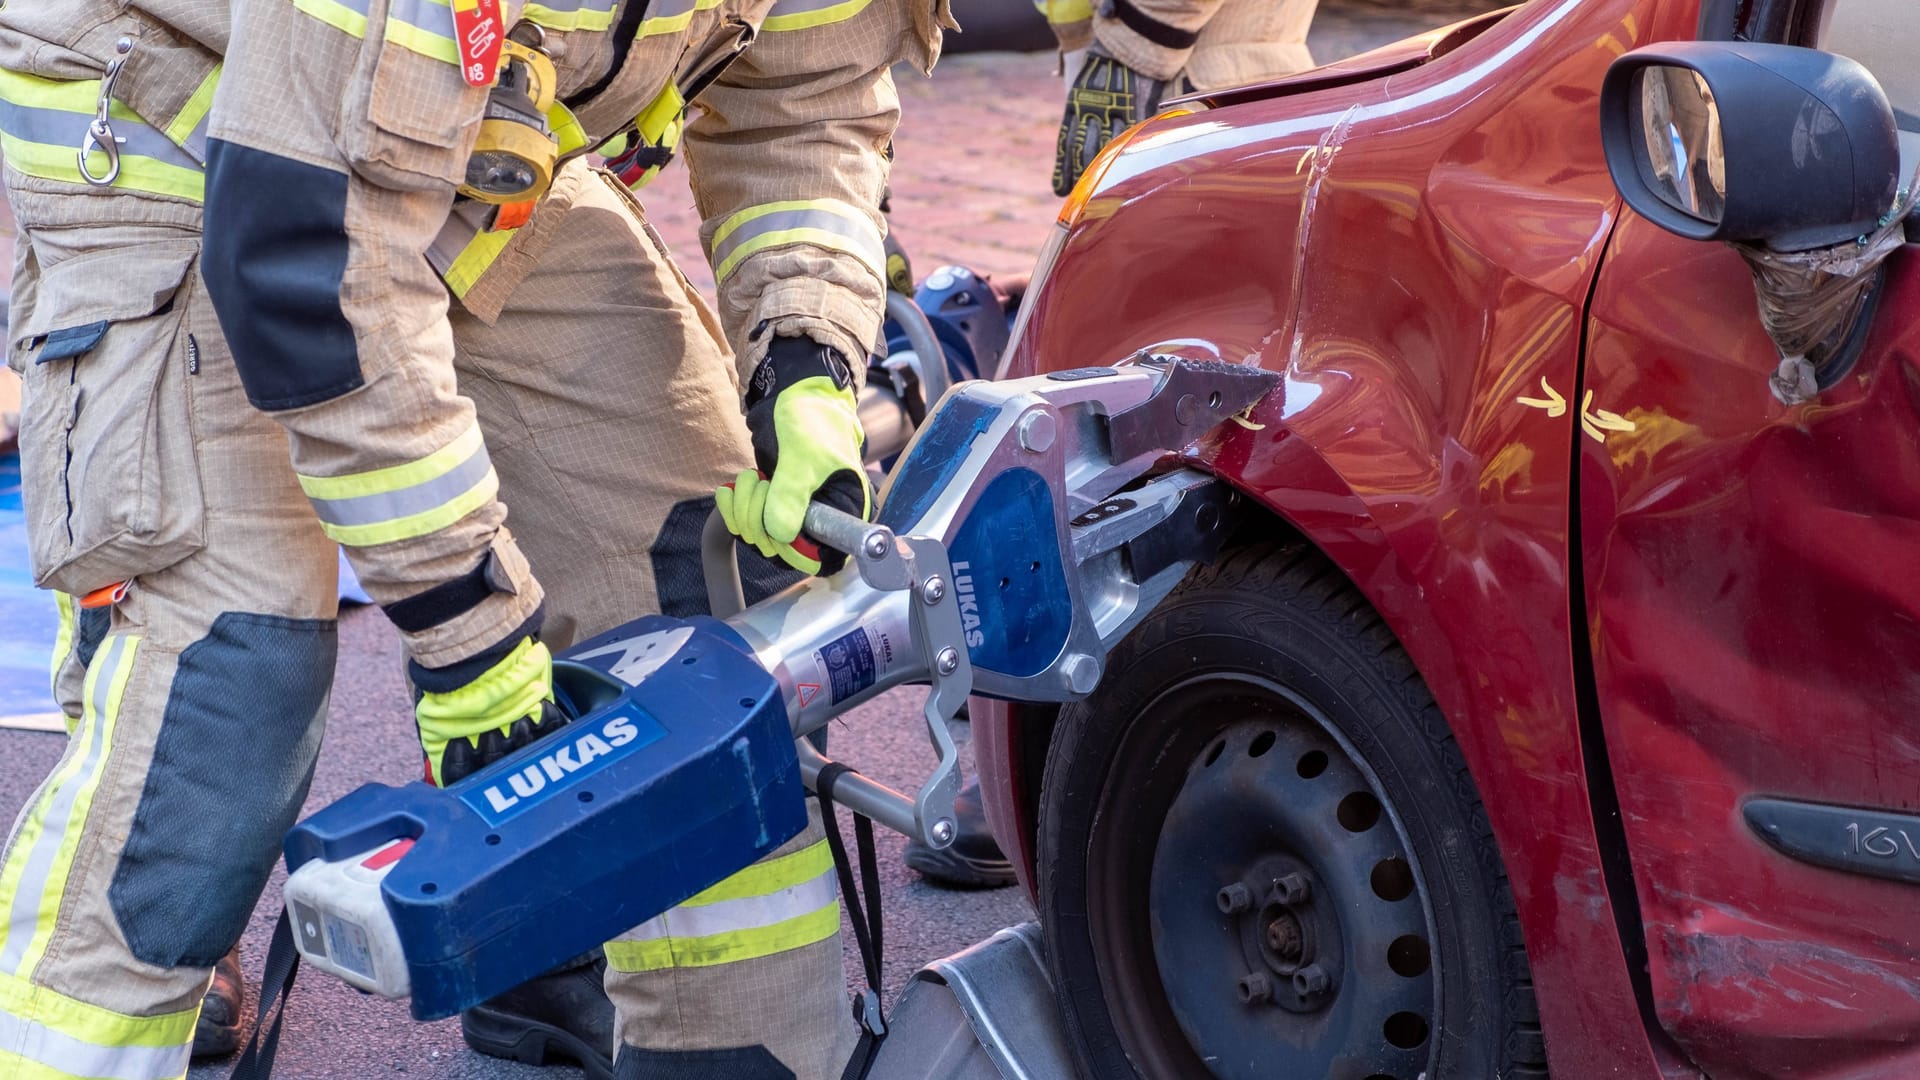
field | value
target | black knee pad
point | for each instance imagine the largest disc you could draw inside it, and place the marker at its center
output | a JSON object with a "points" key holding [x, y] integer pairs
{"points": [[89, 630], [230, 769], [734, 1063], [274, 257], [677, 574]]}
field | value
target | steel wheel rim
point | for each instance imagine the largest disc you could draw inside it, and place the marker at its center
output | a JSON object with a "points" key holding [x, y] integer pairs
{"points": [[1175, 962]]}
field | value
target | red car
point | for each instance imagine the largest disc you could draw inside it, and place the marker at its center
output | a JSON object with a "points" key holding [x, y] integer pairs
{"points": [[1563, 709]]}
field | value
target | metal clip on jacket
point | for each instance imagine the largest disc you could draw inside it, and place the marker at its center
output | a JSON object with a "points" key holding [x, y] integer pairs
{"points": [[100, 134]]}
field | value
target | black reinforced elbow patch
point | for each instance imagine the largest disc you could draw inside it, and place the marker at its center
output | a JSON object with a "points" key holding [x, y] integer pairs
{"points": [[274, 257]]}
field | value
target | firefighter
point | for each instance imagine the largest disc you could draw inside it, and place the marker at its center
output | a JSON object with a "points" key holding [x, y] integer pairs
{"points": [[1120, 57], [435, 306]]}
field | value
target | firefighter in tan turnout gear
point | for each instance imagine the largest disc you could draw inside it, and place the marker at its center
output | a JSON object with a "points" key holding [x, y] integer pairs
{"points": [[435, 319], [1121, 57]]}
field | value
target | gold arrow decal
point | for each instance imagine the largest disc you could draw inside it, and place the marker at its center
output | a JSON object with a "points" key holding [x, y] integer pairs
{"points": [[1600, 420], [1554, 404]]}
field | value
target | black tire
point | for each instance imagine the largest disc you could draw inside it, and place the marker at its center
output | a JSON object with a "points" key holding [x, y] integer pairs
{"points": [[1272, 649]]}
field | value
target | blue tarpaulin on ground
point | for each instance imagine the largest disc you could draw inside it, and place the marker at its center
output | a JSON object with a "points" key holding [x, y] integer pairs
{"points": [[28, 619]]}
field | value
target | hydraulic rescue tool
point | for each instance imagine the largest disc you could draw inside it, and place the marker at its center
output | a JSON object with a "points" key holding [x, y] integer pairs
{"points": [[1029, 525]]}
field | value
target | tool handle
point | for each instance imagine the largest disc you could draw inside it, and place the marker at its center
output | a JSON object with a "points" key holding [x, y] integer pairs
{"points": [[726, 596]]}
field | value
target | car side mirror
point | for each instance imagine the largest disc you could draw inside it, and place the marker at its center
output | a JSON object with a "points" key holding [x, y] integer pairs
{"points": [[1790, 148]]}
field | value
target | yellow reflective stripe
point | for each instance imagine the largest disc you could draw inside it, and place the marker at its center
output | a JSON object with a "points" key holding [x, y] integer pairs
{"points": [[189, 128], [770, 876], [36, 874], [78, 1020], [403, 501], [425, 27], [474, 259], [662, 953], [63, 638], [659, 123], [44, 121], [337, 15], [581, 18], [800, 15], [420, 524], [80, 96], [136, 172], [1059, 12], [566, 128], [674, 21], [396, 477], [827, 223]]}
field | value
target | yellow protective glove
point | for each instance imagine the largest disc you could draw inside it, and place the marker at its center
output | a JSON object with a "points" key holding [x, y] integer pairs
{"points": [[507, 706], [807, 440]]}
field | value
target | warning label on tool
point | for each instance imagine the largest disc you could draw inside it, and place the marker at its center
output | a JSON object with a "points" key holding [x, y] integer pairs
{"points": [[848, 662]]}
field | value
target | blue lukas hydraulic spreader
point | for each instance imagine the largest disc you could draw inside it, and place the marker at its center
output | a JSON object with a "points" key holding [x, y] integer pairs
{"points": [[1029, 525]]}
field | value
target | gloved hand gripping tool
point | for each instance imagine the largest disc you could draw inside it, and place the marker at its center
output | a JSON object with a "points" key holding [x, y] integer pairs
{"points": [[1030, 525]]}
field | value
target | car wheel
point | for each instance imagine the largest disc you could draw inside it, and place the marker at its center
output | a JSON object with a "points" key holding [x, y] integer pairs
{"points": [[1261, 854]]}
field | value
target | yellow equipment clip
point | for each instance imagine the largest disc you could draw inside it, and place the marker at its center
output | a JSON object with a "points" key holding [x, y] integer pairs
{"points": [[514, 156]]}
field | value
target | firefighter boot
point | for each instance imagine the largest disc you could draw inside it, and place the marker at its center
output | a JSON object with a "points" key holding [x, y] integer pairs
{"points": [[974, 860], [217, 1033], [563, 1015]]}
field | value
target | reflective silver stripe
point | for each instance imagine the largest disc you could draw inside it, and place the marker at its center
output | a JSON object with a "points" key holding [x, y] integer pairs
{"points": [[408, 501], [25, 916], [39, 1043], [563, 7], [54, 127], [745, 913], [425, 14], [196, 141], [667, 9], [861, 232]]}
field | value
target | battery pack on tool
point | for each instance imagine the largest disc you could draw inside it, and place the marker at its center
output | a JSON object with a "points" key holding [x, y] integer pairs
{"points": [[678, 770]]}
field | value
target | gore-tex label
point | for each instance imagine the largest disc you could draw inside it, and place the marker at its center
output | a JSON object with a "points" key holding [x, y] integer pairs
{"points": [[848, 662], [572, 754]]}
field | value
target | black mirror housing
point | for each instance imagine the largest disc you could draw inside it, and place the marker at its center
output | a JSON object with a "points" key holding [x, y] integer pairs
{"points": [[1807, 151]]}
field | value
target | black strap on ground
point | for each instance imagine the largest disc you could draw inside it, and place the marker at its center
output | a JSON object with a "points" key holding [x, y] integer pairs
{"points": [[1167, 37], [276, 982], [864, 914]]}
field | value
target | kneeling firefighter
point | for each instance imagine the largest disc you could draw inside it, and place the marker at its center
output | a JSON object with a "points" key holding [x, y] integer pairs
{"points": [[445, 308]]}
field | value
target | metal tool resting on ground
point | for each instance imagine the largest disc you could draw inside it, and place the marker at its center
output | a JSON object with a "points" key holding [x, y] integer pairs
{"points": [[1030, 525]]}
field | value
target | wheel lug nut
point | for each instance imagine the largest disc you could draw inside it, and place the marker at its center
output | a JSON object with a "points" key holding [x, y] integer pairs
{"points": [[1255, 988], [1283, 937], [1311, 980], [1234, 899], [1291, 889]]}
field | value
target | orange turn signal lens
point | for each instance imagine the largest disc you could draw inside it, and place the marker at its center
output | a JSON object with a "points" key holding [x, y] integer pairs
{"points": [[1082, 192]]}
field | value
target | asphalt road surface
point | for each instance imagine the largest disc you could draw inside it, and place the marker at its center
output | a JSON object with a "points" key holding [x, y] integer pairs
{"points": [[977, 111]]}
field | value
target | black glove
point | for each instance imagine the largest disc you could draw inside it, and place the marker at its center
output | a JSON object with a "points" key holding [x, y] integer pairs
{"points": [[1106, 99]]}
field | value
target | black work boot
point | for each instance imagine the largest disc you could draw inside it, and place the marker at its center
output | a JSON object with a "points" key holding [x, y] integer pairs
{"points": [[974, 860], [563, 1015], [218, 1032]]}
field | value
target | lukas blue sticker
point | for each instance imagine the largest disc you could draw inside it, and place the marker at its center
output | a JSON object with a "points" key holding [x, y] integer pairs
{"points": [[849, 663], [568, 757]]}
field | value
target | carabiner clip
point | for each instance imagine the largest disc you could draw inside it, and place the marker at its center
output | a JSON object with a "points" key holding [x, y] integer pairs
{"points": [[100, 137], [100, 132]]}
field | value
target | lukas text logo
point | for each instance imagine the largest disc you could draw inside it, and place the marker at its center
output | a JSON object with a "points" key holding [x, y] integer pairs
{"points": [[969, 604], [569, 755]]}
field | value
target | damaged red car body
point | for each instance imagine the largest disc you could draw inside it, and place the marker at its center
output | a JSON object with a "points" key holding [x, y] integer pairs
{"points": [[1653, 603]]}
